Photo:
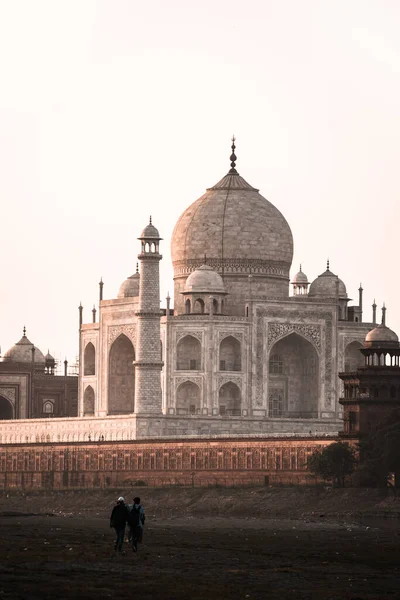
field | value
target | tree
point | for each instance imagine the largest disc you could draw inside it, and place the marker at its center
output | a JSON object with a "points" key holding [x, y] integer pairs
{"points": [[334, 463]]}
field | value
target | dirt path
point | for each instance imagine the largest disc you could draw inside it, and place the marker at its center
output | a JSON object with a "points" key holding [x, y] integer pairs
{"points": [[191, 558]]}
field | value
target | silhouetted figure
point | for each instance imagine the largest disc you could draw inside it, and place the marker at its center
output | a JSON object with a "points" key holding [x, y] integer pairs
{"points": [[136, 519], [118, 519]]}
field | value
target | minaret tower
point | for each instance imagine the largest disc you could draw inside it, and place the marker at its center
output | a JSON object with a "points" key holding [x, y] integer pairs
{"points": [[148, 362]]}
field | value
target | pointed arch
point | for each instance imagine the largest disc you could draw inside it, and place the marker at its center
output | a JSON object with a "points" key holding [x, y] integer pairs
{"points": [[230, 399], [89, 360], [353, 357], [6, 409], [293, 378], [199, 306], [188, 354], [188, 398], [88, 401], [230, 354], [121, 377]]}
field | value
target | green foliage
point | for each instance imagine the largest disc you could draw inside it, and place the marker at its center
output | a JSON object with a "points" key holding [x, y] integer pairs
{"points": [[334, 463]]}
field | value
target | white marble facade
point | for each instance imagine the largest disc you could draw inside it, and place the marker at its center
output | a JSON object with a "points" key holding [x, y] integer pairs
{"points": [[239, 352]]}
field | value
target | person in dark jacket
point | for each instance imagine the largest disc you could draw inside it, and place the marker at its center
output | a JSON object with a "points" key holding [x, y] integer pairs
{"points": [[136, 521], [118, 519]]}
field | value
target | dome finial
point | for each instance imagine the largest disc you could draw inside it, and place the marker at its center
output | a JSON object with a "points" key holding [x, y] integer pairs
{"points": [[233, 157], [384, 309], [327, 265], [150, 221], [137, 267], [300, 268], [24, 331]]}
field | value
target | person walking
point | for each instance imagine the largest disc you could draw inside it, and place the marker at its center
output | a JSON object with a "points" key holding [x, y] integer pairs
{"points": [[118, 519], [136, 519]]}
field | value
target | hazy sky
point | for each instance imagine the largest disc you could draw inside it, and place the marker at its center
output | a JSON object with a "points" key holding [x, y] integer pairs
{"points": [[114, 110]]}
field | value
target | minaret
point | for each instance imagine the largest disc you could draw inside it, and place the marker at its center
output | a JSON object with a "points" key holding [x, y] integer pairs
{"points": [[148, 399]]}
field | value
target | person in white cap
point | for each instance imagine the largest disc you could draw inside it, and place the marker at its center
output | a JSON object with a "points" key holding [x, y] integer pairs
{"points": [[118, 519]]}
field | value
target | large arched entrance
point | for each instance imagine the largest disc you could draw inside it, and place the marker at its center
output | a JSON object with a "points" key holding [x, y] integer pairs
{"points": [[121, 377], [293, 379], [230, 399], [6, 409], [188, 399]]}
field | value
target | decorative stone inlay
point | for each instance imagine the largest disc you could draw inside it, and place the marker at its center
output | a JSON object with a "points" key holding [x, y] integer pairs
{"points": [[115, 331], [310, 332], [234, 265], [292, 316], [8, 393], [224, 334], [222, 379], [196, 334]]}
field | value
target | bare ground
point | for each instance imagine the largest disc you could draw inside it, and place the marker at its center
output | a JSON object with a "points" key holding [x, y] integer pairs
{"points": [[252, 543]]}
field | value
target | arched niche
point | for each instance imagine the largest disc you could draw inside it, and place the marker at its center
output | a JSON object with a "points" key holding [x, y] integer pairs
{"points": [[187, 307], [230, 354], [6, 409], [121, 377], [88, 401], [89, 360], [293, 378], [353, 357], [188, 354], [188, 398], [199, 306], [229, 399]]}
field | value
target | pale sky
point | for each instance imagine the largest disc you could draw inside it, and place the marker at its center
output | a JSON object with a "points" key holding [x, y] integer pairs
{"points": [[114, 110]]}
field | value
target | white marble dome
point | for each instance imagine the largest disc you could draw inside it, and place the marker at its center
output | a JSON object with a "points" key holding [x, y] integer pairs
{"points": [[21, 352], [205, 280], [237, 228], [130, 287], [327, 285], [300, 277]]}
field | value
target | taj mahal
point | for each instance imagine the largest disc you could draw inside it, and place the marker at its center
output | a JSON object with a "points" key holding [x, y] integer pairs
{"points": [[244, 351]]}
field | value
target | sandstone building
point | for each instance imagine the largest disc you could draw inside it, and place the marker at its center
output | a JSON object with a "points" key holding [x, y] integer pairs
{"points": [[30, 387]]}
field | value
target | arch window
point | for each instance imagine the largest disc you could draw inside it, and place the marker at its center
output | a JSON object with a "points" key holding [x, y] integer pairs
{"points": [[48, 407], [276, 364], [88, 401], [89, 360], [230, 399], [188, 354], [187, 307], [188, 399], [230, 354], [199, 306]]}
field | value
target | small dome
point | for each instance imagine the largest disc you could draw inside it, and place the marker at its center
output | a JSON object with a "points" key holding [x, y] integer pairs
{"points": [[21, 352], [49, 357], [300, 277], [326, 285], [381, 337], [130, 287], [205, 280], [150, 232]]}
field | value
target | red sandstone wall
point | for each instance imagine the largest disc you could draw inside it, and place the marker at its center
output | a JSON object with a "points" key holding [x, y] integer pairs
{"points": [[104, 464]]}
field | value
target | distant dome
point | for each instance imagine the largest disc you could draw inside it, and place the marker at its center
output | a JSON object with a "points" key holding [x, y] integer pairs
{"points": [[49, 357], [205, 280], [150, 232], [326, 285], [381, 337], [300, 277], [130, 287], [21, 352]]}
